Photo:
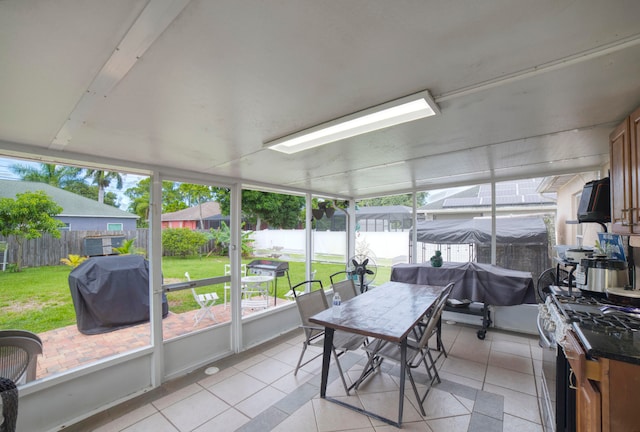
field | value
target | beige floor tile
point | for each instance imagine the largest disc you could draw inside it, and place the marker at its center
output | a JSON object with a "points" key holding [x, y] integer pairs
{"points": [[465, 368], [176, 396], [512, 423], [519, 349], [269, 370], [290, 382], [386, 404], [376, 382], [468, 403], [460, 379], [303, 419], [222, 375], [275, 350], [420, 426], [256, 403], [470, 349], [228, 421], [511, 362], [518, 404], [290, 355], [450, 424], [194, 410], [509, 379], [333, 417], [128, 419], [441, 404], [237, 388], [156, 423], [256, 359]]}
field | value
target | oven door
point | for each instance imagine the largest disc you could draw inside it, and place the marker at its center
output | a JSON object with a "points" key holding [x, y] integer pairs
{"points": [[547, 379]]}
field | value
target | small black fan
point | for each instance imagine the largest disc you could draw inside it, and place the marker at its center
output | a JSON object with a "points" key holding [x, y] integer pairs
{"points": [[364, 269]]}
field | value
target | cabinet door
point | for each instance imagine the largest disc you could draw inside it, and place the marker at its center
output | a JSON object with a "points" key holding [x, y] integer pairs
{"points": [[634, 173], [588, 407], [620, 160]]}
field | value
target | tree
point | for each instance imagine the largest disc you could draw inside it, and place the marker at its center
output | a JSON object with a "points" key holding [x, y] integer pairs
{"points": [[196, 194], [63, 177], [103, 180], [28, 216], [277, 210], [391, 200], [60, 176]]}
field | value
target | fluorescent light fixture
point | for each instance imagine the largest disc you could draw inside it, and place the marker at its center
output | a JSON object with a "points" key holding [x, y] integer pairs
{"points": [[392, 113]]}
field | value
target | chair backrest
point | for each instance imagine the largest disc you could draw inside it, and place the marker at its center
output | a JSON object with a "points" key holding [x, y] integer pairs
{"points": [[227, 269], [434, 315], [311, 303], [334, 277], [19, 351], [346, 288]]}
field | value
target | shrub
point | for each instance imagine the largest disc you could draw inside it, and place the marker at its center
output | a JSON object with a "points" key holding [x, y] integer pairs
{"points": [[73, 260], [182, 241]]}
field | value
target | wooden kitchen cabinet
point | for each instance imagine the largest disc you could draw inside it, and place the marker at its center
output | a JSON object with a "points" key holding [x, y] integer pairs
{"points": [[624, 147], [588, 397], [607, 391]]}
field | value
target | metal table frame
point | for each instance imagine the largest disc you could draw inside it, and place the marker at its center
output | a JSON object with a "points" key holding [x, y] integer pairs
{"points": [[388, 312]]}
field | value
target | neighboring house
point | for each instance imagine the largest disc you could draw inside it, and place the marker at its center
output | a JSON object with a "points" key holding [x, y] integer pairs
{"points": [[203, 216], [78, 213], [514, 198]]}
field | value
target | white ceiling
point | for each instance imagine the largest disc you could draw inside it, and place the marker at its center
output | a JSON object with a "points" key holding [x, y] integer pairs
{"points": [[526, 88]]}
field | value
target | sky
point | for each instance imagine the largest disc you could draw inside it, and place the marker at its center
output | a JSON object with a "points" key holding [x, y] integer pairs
{"points": [[128, 180]]}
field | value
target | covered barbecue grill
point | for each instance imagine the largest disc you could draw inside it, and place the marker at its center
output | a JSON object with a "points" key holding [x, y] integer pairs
{"points": [[111, 292]]}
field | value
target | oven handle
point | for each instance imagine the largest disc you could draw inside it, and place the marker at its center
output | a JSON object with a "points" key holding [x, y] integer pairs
{"points": [[545, 342]]}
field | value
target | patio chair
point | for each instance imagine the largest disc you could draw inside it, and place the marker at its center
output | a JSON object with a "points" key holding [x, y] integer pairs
{"points": [[346, 288], [19, 351], [310, 304], [205, 301], [227, 285], [418, 351], [300, 288]]}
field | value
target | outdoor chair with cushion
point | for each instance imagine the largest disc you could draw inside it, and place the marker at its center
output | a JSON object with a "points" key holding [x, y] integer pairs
{"points": [[418, 351], [19, 351], [205, 301], [310, 304]]}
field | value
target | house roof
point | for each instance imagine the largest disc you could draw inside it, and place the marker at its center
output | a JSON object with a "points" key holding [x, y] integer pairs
{"points": [[72, 204], [508, 194], [208, 209]]}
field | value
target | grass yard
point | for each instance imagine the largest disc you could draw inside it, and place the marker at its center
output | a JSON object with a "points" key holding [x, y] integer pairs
{"points": [[38, 299]]}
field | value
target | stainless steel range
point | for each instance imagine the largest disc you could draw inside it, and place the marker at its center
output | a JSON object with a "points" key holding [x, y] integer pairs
{"points": [[602, 327]]}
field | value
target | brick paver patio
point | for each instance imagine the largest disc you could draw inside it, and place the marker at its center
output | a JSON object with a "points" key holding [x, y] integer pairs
{"points": [[66, 348]]}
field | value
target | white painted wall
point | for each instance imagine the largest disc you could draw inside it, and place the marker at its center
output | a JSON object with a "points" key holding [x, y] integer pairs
{"points": [[381, 244]]}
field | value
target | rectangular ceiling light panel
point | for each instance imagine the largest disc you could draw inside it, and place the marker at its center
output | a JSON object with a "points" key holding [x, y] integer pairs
{"points": [[409, 108]]}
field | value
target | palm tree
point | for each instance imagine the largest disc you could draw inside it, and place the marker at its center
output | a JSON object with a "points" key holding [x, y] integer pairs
{"points": [[60, 176], [103, 180]]}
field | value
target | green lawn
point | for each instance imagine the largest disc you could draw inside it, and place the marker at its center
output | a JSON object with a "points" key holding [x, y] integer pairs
{"points": [[38, 299]]}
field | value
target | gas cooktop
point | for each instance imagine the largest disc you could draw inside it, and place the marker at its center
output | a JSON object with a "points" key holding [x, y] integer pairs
{"points": [[603, 327]]}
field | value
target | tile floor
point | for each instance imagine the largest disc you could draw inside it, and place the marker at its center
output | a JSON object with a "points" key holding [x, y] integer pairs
{"points": [[487, 385]]}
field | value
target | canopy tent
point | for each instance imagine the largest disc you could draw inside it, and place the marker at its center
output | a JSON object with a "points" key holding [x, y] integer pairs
{"points": [[523, 230]]}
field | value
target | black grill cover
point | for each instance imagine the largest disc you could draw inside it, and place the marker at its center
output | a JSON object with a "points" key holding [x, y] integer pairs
{"points": [[111, 292]]}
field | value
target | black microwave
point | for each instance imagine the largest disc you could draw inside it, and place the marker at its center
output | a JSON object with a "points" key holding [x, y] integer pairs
{"points": [[595, 202]]}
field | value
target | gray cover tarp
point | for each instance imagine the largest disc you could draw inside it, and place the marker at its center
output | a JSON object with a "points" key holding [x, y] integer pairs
{"points": [[531, 230], [111, 292], [484, 283]]}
